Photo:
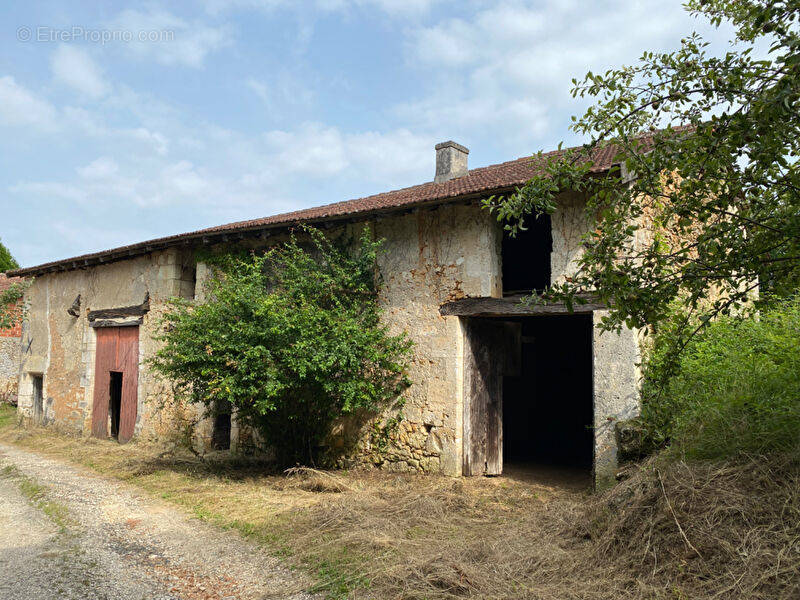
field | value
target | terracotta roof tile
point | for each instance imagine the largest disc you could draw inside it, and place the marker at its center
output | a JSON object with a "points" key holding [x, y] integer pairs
{"points": [[484, 180]]}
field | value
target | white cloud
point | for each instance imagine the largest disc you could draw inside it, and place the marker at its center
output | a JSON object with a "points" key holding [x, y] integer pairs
{"points": [[259, 88], [317, 151], [170, 40], [504, 73], [284, 91], [19, 107], [273, 171], [154, 138], [391, 7], [75, 68], [395, 7], [81, 122], [99, 169]]}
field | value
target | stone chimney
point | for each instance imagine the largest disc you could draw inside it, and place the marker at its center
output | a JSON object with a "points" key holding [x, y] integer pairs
{"points": [[451, 161]]}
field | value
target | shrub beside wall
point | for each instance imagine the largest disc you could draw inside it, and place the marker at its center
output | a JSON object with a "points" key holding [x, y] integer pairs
{"points": [[291, 339]]}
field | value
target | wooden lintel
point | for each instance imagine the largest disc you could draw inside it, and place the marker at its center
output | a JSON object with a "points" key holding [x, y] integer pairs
{"points": [[117, 313], [116, 323], [513, 306]]}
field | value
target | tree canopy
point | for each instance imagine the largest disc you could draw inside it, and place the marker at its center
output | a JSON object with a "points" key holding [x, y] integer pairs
{"points": [[7, 261], [707, 148]]}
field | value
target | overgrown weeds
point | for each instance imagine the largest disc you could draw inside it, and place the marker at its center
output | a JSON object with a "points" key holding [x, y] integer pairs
{"points": [[735, 388], [672, 530]]}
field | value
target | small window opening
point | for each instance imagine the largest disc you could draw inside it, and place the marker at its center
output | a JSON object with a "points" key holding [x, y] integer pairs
{"points": [[38, 398], [221, 436], [115, 402], [526, 257]]}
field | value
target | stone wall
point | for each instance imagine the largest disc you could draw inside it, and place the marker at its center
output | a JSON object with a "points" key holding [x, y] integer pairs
{"points": [[433, 255], [9, 367], [9, 350], [61, 347], [616, 375]]}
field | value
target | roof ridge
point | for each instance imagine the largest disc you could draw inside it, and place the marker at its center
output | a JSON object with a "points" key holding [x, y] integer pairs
{"points": [[486, 179]]}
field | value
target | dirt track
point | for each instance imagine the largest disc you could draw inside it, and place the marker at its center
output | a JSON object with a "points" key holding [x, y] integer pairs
{"points": [[116, 543]]}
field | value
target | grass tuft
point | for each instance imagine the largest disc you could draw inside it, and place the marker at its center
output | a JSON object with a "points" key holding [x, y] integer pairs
{"points": [[36, 494]]}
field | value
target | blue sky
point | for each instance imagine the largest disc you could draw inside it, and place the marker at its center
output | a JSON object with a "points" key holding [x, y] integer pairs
{"points": [[237, 109]]}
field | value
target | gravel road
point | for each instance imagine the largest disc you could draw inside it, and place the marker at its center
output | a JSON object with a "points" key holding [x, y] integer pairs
{"points": [[119, 544]]}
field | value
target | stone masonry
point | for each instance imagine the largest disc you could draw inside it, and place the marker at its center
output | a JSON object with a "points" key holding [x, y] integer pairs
{"points": [[434, 254]]}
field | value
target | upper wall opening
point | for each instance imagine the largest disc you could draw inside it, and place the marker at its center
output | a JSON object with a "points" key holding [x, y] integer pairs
{"points": [[526, 257]]}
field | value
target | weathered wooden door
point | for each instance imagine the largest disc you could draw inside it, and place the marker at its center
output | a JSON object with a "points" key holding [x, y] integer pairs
{"points": [[117, 351], [38, 398], [491, 350]]}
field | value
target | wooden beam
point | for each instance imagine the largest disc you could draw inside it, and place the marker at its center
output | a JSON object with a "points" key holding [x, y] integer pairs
{"points": [[513, 306], [112, 323], [117, 313], [75, 309]]}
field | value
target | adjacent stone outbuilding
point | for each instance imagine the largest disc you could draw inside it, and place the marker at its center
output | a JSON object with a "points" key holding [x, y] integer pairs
{"points": [[493, 379]]}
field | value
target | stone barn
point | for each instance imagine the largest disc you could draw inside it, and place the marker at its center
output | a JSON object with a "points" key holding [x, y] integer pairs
{"points": [[495, 382]]}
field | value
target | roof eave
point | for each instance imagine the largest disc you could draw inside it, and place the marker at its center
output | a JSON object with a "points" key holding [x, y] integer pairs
{"points": [[215, 237]]}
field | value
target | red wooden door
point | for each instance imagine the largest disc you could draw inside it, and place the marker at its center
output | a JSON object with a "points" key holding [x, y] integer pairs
{"points": [[105, 359], [128, 365], [117, 350]]}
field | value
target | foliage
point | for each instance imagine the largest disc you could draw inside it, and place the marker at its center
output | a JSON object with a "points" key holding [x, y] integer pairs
{"points": [[11, 308], [8, 415], [10, 298], [7, 262], [291, 338], [707, 148], [735, 388]]}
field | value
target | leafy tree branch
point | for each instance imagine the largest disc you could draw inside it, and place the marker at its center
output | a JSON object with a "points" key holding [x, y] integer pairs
{"points": [[702, 206]]}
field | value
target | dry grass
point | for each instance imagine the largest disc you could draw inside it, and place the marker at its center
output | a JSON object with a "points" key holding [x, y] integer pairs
{"points": [[707, 530], [670, 531]]}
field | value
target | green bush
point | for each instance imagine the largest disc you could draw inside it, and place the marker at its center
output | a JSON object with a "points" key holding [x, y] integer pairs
{"points": [[735, 388], [292, 339]]}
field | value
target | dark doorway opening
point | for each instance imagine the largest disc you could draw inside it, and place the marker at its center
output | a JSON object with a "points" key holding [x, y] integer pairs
{"points": [[548, 405], [115, 402], [526, 257], [221, 436], [38, 398]]}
